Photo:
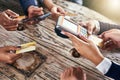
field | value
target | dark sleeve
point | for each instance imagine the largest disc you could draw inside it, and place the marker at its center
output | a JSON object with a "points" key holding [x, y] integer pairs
{"points": [[114, 71], [107, 26], [26, 3]]}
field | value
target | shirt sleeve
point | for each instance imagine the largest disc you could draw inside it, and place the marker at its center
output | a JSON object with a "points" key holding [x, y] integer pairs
{"points": [[97, 27], [26, 3], [104, 66]]}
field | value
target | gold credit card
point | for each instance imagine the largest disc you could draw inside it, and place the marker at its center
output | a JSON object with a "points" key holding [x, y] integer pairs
{"points": [[71, 14], [31, 46], [20, 18]]}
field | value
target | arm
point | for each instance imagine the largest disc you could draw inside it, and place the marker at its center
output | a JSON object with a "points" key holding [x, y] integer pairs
{"points": [[89, 50], [114, 71], [98, 27], [49, 4], [107, 26], [110, 68], [26, 3], [55, 9]]}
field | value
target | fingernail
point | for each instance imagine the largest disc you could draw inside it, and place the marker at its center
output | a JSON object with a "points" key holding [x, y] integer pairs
{"points": [[62, 32], [100, 36], [90, 32], [12, 51]]}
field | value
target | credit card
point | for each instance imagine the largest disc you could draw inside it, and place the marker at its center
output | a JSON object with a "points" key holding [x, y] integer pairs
{"points": [[20, 18], [71, 14], [96, 40], [31, 46]]}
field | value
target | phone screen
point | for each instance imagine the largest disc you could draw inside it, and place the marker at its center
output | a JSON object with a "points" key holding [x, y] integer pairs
{"points": [[69, 26]]}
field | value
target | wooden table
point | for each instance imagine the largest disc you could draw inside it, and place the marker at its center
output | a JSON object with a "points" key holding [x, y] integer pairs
{"points": [[55, 49]]}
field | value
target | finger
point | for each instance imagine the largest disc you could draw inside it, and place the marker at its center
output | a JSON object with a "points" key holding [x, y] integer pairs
{"points": [[68, 34], [11, 28], [12, 14], [54, 11], [13, 57], [84, 38], [83, 24], [37, 9], [111, 47], [61, 10], [15, 21], [90, 30], [11, 22], [102, 34], [17, 56], [74, 39], [35, 14], [89, 27], [32, 22], [105, 36], [107, 44], [5, 16], [11, 48]]}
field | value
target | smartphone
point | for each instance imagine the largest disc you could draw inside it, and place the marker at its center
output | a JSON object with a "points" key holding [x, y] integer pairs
{"points": [[69, 26]]}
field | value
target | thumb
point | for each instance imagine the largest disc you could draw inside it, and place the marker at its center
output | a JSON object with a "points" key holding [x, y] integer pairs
{"points": [[90, 30]]}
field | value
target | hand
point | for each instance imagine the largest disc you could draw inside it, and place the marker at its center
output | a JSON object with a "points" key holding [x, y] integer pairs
{"points": [[86, 48], [34, 11], [6, 56], [57, 10], [73, 74], [111, 39], [89, 25], [8, 20]]}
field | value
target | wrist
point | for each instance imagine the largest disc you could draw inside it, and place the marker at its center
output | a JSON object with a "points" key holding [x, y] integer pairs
{"points": [[98, 60], [49, 4]]}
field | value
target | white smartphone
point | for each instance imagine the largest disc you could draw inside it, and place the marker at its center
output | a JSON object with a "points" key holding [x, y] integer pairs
{"points": [[69, 26]]}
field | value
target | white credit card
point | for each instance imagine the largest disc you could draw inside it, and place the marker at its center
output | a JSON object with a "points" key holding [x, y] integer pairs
{"points": [[31, 46], [96, 40]]}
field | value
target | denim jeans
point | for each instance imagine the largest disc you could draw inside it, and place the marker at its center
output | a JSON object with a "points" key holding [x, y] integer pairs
{"points": [[78, 1]]}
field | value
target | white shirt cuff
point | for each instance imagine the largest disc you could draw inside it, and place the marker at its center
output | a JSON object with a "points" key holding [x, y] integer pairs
{"points": [[97, 27], [104, 66]]}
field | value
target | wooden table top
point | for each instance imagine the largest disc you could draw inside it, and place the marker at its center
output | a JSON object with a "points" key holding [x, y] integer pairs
{"points": [[54, 48]]}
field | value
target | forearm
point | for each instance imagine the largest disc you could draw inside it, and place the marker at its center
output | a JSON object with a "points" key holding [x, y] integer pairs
{"points": [[26, 3], [107, 26], [109, 68], [114, 71], [49, 4]]}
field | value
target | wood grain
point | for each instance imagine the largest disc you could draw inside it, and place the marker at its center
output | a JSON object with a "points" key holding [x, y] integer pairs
{"points": [[55, 48]]}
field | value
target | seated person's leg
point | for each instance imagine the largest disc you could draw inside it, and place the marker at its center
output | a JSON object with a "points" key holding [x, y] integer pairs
{"points": [[73, 74]]}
